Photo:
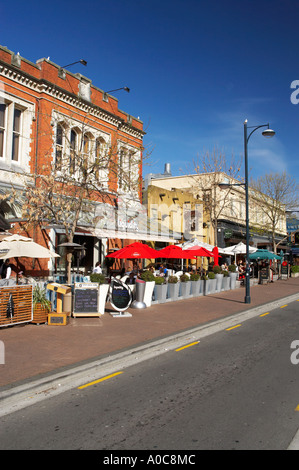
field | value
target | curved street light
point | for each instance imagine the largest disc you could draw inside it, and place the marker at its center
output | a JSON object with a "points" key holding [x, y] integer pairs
{"points": [[266, 133]]}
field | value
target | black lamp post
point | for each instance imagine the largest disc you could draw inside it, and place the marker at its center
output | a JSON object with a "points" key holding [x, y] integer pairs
{"points": [[81, 61], [266, 133]]}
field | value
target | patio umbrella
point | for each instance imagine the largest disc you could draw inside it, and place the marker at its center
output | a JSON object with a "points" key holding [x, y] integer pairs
{"points": [[17, 246], [240, 248], [200, 251], [175, 252], [263, 254], [136, 250]]}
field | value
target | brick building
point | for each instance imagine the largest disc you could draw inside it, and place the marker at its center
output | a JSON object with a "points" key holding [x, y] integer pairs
{"points": [[46, 112]]}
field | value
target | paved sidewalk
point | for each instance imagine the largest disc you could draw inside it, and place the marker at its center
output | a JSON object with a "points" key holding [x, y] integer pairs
{"points": [[33, 351]]}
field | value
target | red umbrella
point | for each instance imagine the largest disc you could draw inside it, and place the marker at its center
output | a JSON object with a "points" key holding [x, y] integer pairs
{"points": [[174, 252], [200, 251], [134, 251]]}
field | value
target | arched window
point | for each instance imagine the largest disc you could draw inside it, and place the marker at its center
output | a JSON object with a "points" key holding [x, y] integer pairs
{"points": [[2, 127], [73, 149], [101, 161], [59, 146]]}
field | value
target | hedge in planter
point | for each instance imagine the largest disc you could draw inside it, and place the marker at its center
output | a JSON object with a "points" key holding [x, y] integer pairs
{"points": [[195, 284], [219, 277], [185, 285], [99, 278], [149, 279], [173, 288], [160, 290], [147, 276], [210, 284], [102, 292], [233, 275]]}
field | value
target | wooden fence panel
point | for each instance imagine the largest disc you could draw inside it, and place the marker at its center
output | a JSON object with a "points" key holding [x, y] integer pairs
{"points": [[15, 305]]}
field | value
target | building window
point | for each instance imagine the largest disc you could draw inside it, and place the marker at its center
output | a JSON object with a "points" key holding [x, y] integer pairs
{"points": [[16, 134], [2, 128], [73, 147], [129, 162], [15, 123], [101, 162], [59, 147]]}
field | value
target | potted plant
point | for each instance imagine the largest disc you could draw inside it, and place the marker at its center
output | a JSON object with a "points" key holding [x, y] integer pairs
{"points": [[173, 288], [226, 281], [295, 270], [41, 305], [233, 275], [102, 291], [149, 279], [195, 284], [210, 285], [219, 277], [160, 289], [185, 285]]}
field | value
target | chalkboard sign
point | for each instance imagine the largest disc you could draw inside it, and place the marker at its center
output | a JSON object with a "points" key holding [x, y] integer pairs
{"points": [[264, 274], [86, 298], [121, 296]]}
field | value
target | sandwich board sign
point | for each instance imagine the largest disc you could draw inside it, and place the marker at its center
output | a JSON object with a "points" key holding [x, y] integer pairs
{"points": [[120, 297]]}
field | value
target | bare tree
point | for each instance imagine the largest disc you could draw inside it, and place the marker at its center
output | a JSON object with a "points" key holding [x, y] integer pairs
{"points": [[84, 172], [211, 169], [276, 193]]}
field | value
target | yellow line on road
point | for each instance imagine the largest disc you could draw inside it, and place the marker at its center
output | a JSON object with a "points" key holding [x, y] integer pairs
{"points": [[99, 380], [263, 314], [187, 346], [283, 306], [297, 408], [232, 327]]}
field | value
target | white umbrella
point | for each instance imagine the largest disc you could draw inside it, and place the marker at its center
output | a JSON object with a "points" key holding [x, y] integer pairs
{"points": [[240, 248], [17, 246]]}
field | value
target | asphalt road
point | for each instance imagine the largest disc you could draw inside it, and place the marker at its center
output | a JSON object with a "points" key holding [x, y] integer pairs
{"points": [[235, 389]]}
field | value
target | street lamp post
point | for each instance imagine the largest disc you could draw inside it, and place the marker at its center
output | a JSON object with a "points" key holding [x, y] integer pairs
{"points": [[266, 133]]}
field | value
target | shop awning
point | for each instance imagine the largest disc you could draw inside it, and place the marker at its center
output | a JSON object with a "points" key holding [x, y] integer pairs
{"points": [[126, 235]]}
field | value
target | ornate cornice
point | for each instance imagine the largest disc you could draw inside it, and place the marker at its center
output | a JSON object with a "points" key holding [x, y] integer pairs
{"points": [[42, 86]]}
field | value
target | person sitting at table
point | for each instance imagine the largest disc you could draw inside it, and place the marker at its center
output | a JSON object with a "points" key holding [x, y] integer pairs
{"points": [[163, 271]]}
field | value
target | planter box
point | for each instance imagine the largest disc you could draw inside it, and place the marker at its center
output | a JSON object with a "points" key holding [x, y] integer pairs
{"points": [[160, 293], [102, 297], [148, 293], [210, 286], [233, 279], [173, 291], [40, 314], [219, 281], [195, 288], [226, 283], [185, 289]]}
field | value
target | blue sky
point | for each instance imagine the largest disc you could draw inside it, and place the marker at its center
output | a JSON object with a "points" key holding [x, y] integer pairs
{"points": [[196, 69]]}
